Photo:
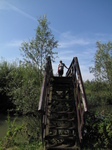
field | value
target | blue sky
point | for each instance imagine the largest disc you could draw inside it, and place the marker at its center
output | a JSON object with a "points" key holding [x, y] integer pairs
{"points": [[76, 24]]}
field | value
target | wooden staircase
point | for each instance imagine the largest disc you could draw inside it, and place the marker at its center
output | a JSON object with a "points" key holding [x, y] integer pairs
{"points": [[62, 106], [61, 128]]}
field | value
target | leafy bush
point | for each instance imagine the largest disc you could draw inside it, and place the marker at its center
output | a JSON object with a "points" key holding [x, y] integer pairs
{"points": [[25, 88], [21, 84], [97, 132], [5, 99], [98, 93]]}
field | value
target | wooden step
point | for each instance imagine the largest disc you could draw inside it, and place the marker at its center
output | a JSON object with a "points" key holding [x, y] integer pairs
{"points": [[61, 117], [66, 103], [69, 100], [69, 82], [62, 128], [69, 120], [63, 112], [63, 147], [59, 104], [69, 137], [62, 79]]}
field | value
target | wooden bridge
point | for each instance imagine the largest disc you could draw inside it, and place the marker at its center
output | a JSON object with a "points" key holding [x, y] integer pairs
{"points": [[62, 106]]}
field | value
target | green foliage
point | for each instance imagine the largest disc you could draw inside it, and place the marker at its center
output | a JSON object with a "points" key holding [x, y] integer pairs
{"points": [[5, 100], [98, 93], [12, 132], [32, 128], [4, 71], [97, 132], [98, 127], [25, 87], [21, 84], [17, 138], [103, 62], [22, 87]]}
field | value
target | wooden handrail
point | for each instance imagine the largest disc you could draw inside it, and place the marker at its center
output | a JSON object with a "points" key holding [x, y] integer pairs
{"points": [[47, 75], [79, 93], [45, 96]]}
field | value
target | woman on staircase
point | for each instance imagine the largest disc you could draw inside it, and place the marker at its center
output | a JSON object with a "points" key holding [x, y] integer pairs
{"points": [[61, 68]]}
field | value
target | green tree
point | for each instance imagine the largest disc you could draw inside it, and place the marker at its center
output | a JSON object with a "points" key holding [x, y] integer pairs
{"points": [[39, 48], [102, 69]]}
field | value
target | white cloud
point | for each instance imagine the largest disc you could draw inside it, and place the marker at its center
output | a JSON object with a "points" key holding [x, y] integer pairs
{"points": [[72, 43], [65, 52], [87, 76], [69, 40], [14, 43]]}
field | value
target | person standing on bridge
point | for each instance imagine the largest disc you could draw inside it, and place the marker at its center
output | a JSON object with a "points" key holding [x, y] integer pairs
{"points": [[61, 68]]}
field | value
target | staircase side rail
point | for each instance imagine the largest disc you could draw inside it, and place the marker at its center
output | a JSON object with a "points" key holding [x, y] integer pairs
{"points": [[79, 93], [42, 108], [47, 75], [75, 69]]}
